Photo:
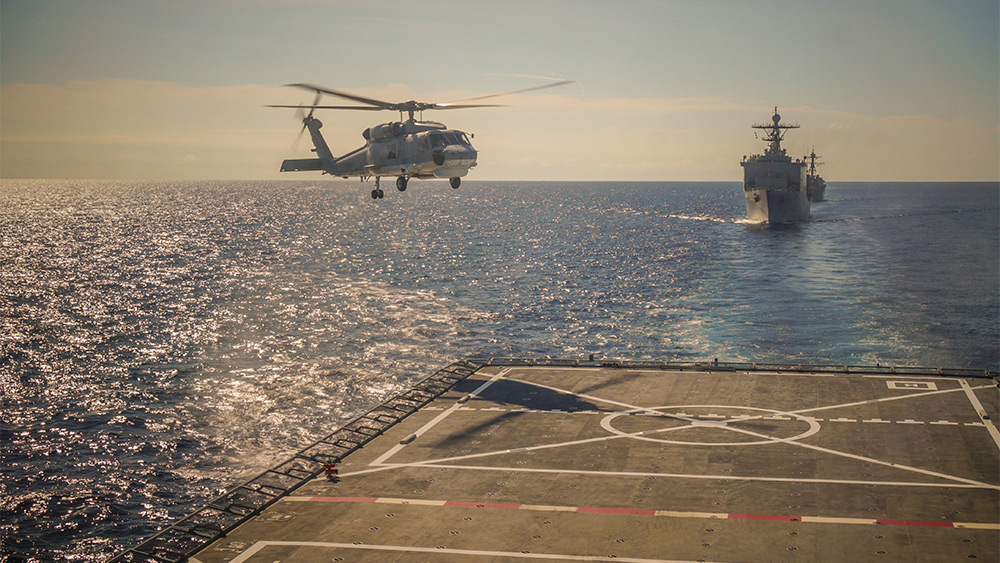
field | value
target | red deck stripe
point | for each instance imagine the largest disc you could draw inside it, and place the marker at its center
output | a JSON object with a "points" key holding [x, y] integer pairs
{"points": [[480, 504], [915, 523]]}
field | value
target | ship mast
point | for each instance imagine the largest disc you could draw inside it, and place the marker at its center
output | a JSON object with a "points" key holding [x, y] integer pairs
{"points": [[812, 161], [774, 133]]}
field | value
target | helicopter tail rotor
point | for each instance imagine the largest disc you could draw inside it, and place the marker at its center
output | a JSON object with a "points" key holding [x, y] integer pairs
{"points": [[301, 115]]}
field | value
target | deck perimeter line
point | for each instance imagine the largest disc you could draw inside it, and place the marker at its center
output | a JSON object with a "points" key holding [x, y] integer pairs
{"points": [[246, 555]]}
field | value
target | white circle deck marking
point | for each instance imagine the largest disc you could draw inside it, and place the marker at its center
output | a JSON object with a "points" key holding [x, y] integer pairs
{"points": [[695, 423]]}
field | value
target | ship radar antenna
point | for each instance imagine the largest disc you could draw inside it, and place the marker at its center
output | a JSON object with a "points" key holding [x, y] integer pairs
{"points": [[775, 132]]}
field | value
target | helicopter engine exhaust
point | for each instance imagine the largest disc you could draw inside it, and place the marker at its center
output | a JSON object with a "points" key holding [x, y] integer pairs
{"points": [[384, 131]]}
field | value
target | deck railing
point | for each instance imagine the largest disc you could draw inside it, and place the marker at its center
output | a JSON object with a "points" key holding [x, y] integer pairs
{"points": [[220, 516], [716, 365]]}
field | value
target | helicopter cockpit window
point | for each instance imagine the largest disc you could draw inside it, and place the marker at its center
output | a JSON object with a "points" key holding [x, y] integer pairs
{"points": [[438, 140], [452, 140], [462, 139]]}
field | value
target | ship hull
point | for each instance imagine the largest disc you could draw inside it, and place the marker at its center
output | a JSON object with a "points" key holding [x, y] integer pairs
{"points": [[817, 189], [776, 206]]}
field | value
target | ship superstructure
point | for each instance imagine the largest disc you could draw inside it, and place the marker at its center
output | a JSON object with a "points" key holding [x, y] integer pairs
{"points": [[816, 185], [774, 185]]}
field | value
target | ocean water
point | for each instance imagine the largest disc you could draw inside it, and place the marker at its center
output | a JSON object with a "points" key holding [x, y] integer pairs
{"points": [[160, 342]]}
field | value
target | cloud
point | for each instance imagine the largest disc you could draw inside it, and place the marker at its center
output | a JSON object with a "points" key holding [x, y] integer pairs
{"points": [[905, 147], [164, 130], [136, 129]]}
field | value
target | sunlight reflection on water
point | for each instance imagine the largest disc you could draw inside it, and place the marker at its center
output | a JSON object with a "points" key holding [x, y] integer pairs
{"points": [[162, 341]]}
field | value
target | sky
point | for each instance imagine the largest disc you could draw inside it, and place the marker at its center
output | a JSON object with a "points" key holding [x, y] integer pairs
{"points": [[887, 90]]}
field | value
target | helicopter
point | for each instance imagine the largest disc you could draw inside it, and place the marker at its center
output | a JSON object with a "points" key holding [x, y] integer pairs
{"points": [[405, 149]]}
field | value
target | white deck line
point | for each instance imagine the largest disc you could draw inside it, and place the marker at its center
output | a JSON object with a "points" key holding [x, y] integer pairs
{"points": [[255, 548], [980, 411], [380, 461], [956, 485]]}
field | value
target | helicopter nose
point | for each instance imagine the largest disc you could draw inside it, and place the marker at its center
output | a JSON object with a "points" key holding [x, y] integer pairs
{"points": [[464, 152], [454, 153]]}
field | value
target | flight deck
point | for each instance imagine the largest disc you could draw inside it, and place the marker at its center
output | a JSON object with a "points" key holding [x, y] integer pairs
{"points": [[539, 460]]}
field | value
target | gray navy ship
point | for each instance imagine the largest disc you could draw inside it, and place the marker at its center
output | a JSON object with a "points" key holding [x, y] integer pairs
{"points": [[815, 184], [775, 186]]}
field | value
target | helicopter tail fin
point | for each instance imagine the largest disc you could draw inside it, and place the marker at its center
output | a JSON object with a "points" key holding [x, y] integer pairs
{"points": [[321, 150], [326, 161]]}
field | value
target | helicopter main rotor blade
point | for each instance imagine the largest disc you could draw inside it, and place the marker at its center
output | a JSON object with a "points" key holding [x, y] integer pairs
{"points": [[532, 89], [394, 107], [411, 106], [362, 108], [378, 103], [465, 106]]}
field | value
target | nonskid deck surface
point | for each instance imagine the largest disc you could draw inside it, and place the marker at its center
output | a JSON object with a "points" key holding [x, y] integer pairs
{"points": [[615, 464]]}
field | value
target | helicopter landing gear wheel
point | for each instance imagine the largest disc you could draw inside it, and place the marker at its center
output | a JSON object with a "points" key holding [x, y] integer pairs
{"points": [[455, 182], [377, 193], [401, 183]]}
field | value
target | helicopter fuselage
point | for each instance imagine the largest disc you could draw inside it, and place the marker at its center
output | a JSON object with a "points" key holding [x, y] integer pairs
{"points": [[410, 149], [405, 149]]}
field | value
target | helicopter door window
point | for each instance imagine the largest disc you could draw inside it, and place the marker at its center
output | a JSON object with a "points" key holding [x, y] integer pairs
{"points": [[452, 140], [390, 152], [437, 140]]}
